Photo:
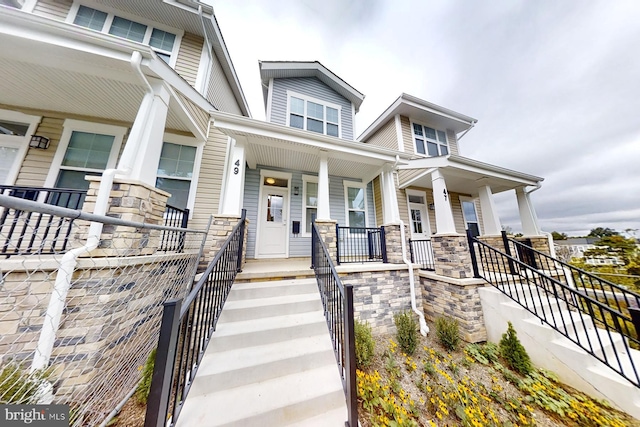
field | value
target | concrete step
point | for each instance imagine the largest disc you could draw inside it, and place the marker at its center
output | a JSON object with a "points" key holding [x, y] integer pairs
{"points": [[238, 367], [278, 401], [267, 307], [255, 290], [232, 335]]}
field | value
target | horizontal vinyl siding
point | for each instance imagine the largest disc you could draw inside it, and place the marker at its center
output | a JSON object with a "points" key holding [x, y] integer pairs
{"points": [[188, 59], [251, 190], [407, 138], [219, 92], [314, 88], [35, 167], [377, 198], [479, 214], [406, 174], [210, 179], [55, 9], [456, 206], [453, 142], [386, 136]]}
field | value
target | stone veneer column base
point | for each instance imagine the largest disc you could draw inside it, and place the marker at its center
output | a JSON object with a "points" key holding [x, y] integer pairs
{"points": [[130, 201], [220, 230], [455, 298], [393, 240], [452, 257], [539, 243], [327, 230]]}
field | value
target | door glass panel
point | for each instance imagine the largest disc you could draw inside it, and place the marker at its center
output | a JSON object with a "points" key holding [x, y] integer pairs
{"points": [[274, 208], [416, 199], [469, 210], [7, 157], [416, 221]]}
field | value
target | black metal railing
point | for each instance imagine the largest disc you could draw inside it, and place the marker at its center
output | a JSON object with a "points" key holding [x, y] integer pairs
{"points": [[337, 300], [360, 244], [422, 253], [174, 217], [27, 232], [186, 329], [593, 323]]}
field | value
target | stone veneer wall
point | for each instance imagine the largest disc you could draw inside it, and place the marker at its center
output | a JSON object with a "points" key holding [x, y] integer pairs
{"points": [[393, 239], [221, 228], [458, 299], [451, 256], [539, 243], [327, 230], [380, 293]]}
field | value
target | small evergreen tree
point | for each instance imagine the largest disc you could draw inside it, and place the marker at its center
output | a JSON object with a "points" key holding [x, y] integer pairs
{"points": [[514, 352]]}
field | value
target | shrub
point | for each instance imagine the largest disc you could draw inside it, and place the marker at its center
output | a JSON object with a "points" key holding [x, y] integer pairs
{"points": [[144, 386], [514, 352], [17, 386], [364, 345], [448, 332], [406, 331]]}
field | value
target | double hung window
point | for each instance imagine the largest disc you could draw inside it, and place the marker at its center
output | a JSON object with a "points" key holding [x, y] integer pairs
{"points": [[309, 202], [356, 205], [175, 172], [162, 42], [314, 115], [429, 141]]}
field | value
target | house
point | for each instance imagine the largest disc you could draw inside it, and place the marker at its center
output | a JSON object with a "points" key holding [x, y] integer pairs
{"points": [[576, 247]]}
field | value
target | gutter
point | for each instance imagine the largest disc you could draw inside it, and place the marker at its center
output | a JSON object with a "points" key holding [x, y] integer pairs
{"points": [[69, 261]]}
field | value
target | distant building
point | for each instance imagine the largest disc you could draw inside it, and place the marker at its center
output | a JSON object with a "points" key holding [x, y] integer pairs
{"points": [[576, 248]]}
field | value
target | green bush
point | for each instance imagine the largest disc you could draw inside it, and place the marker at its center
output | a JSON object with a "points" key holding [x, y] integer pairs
{"points": [[406, 331], [364, 345], [514, 352], [17, 386], [448, 332], [144, 386]]}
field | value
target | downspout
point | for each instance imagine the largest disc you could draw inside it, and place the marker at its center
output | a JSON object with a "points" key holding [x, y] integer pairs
{"points": [[424, 329], [70, 259]]}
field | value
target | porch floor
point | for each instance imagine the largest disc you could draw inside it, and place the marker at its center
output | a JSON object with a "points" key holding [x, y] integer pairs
{"points": [[275, 269]]}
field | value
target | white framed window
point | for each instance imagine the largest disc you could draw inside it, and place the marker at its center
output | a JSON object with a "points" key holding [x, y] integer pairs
{"points": [[312, 114], [309, 202], [355, 197], [470, 215], [164, 40], [15, 132], [85, 148], [178, 169], [429, 141]]}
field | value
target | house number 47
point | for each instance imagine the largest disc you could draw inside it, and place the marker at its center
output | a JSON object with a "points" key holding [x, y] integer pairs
{"points": [[236, 169]]}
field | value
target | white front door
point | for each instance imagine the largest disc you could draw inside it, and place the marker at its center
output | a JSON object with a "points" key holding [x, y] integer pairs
{"points": [[417, 201], [273, 222]]}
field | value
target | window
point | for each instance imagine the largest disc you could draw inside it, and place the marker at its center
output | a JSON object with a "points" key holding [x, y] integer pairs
{"points": [[470, 216], [162, 42], [85, 149], [309, 202], [17, 4], [430, 141], [356, 204], [175, 172], [314, 115]]}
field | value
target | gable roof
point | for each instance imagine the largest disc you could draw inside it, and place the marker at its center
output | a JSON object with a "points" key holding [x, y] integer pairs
{"points": [[419, 109], [291, 69]]}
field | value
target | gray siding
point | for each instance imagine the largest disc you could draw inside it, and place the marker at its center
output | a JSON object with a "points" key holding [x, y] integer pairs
{"points": [[312, 87], [299, 246]]}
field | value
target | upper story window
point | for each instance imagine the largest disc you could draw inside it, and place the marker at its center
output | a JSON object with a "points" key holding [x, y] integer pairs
{"points": [[162, 42], [12, 3], [313, 115], [430, 141]]}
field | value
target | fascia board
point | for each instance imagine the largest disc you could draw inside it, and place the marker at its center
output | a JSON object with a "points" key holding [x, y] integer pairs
{"points": [[321, 142], [495, 171]]}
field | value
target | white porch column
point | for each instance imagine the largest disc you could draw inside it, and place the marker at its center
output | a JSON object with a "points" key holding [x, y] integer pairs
{"points": [[390, 212], [490, 219], [144, 145], [528, 216], [324, 212], [234, 183], [444, 213]]}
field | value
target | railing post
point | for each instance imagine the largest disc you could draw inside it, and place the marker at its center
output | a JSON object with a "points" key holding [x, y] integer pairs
{"points": [[337, 244], [160, 391], [350, 365], [314, 232], [241, 242], [472, 252], [507, 250], [383, 244], [635, 319]]}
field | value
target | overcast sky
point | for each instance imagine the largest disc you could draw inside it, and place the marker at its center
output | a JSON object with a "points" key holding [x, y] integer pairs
{"points": [[555, 85]]}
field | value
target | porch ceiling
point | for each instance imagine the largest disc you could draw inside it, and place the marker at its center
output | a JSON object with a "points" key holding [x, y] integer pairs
{"points": [[42, 72], [464, 175]]}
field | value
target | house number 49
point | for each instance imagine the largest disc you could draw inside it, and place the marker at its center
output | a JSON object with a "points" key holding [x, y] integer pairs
{"points": [[237, 168]]}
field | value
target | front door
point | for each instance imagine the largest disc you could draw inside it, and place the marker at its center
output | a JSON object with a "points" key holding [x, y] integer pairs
{"points": [[273, 222]]}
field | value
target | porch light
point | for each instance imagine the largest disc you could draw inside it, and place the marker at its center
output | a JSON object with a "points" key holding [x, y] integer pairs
{"points": [[39, 141], [432, 206], [270, 181]]}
